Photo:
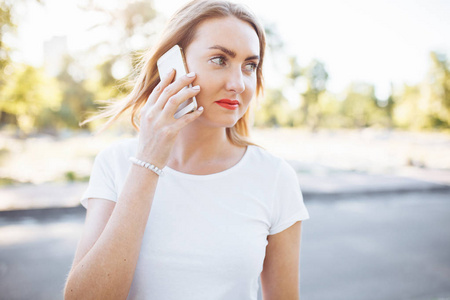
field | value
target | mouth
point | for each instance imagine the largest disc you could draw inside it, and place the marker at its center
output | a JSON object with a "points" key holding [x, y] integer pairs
{"points": [[228, 104]]}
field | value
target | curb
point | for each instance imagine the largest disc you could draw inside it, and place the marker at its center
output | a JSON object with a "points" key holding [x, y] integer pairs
{"points": [[311, 195], [43, 212], [308, 195], [352, 184]]}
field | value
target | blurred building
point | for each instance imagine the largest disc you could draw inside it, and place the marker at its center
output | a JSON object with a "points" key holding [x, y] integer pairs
{"points": [[55, 51]]}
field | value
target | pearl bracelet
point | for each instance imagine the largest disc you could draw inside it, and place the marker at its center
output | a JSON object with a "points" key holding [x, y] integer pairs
{"points": [[147, 165]]}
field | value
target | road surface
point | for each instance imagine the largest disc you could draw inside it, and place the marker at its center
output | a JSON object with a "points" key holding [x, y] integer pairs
{"points": [[382, 246]]}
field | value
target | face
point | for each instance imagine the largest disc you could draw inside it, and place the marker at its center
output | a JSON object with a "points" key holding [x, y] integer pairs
{"points": [[225, 55]]}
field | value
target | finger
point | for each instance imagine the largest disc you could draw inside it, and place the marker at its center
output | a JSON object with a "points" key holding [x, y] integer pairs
{"points": [[174, 88], [175, 101], [188, 118], [163, 83]]}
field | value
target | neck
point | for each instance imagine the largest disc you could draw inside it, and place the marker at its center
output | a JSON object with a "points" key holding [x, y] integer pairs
{"points": [[197, 145]]}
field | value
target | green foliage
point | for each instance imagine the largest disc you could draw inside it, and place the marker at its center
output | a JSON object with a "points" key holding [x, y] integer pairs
{"points": [[438, 91], [6, 25], [329, 111], [408, 108], [359, 107], [422, 106], [8, 181], [274, 110], [71, 176], [106, 86], [76, 99], [33, 101], [309, 112], [427, 105], [27, 94]]}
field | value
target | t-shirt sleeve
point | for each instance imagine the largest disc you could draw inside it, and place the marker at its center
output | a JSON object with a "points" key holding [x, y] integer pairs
{"points": [[288, 206], [101, 182]]}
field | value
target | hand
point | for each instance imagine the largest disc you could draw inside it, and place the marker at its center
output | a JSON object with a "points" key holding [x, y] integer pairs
{"points": [[158, 127]]}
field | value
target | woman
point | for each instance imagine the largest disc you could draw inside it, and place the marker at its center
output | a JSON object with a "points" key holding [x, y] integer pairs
{"points": [[225, 212]]}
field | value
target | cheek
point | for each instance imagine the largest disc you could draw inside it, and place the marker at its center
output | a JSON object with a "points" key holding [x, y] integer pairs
{"points": [[193, 65], [250, 89], [209, 82], [208, 90]]}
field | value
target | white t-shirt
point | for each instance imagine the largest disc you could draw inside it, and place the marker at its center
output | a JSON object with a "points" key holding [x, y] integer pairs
{"points": [[206, 235]]}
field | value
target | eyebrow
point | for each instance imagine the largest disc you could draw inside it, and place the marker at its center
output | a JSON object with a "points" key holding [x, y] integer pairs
{"points": [[231, 52]]}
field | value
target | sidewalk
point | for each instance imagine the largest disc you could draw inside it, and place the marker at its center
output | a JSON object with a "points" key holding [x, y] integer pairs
{"points": [[48, 195], [356, 183], [315, 182]]}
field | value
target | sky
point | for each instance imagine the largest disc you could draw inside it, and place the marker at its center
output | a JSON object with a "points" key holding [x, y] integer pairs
{"points": [[379, 42]]}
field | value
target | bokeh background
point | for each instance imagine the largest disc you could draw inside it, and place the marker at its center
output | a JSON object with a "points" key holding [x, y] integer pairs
{"points": [[357, 100], [379, 69]]}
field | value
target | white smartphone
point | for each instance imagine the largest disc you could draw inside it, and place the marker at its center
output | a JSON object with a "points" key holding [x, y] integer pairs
{"points": [[174, 59]]}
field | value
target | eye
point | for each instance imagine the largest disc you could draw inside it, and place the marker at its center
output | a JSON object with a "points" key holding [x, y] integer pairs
{"points": [[219, 60], [251, 67]]}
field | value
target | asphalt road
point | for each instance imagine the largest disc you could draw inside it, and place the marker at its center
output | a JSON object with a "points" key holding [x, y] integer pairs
{"points": [[383, 246]]}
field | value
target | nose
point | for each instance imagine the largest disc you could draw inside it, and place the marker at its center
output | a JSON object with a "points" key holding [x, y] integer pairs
{"points": [[235, 82]]}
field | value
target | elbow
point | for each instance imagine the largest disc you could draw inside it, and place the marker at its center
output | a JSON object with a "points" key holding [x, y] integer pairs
{"points": [[77, 288]]}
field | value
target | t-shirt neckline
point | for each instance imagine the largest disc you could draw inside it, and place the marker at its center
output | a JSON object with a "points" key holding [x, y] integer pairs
{"points": [[233, 168]]}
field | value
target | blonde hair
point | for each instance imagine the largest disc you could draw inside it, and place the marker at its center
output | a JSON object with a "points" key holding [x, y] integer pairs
{"points": [[181, 30]]}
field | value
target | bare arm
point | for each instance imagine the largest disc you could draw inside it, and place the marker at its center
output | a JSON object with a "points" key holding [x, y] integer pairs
{"points": [[108, 252], [280, 275], [106, 259]]}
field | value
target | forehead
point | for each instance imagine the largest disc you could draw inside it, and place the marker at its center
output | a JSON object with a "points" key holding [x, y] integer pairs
{"points": [[228, 32]]}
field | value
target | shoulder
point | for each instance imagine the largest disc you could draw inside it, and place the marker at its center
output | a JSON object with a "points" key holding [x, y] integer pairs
{"points": [[273, 163], [119, 149], [114, 157]]}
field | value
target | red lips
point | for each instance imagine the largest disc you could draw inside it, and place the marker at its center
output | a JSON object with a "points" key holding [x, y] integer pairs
{"points": [[228, 104]]}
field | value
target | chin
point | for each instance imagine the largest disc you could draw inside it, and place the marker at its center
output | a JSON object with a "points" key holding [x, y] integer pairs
{"points": [[219, 121]]}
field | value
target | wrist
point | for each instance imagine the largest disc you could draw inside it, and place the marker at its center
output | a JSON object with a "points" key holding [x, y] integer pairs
{"points": [[146, 164]]}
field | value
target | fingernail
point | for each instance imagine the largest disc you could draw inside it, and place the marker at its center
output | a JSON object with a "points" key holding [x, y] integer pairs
{"points": [[192, 74], [170, 72], [197, 87], [200, 108]]}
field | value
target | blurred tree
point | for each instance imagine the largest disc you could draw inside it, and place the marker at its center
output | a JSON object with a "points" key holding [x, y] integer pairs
{"points": [[360, 107], [274, 110], [128, 29], [295, 70], [76, 97], [437, 92], [316, 79], [275, 56], [294, 79], [407, 112], [388, 107], [126, 19], [29, 94], [426, 105], [8, 26], [274, 40], [329, 108]]}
